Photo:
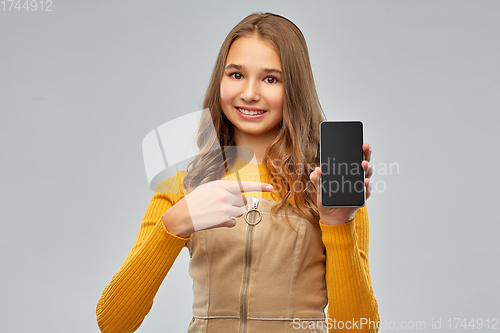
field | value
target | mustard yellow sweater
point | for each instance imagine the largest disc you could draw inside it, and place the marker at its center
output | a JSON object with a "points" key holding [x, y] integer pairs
{"points": [[127, 299]]}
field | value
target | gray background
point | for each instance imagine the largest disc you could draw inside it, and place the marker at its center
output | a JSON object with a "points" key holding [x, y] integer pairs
{"points": [[82, 85]]}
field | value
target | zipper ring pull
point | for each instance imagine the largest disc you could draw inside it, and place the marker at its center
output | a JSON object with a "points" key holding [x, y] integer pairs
{"points": [[253, 223]]}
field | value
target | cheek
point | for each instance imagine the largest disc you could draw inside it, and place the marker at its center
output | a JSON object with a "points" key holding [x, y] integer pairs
{"points": [[227, 92], [277, 100]]}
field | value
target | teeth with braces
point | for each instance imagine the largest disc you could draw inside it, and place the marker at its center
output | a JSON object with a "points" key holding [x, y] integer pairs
{"points": [[250, 112]]}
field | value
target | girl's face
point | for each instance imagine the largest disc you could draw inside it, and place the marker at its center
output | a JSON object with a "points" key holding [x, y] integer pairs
{"points": [[252, 90]]}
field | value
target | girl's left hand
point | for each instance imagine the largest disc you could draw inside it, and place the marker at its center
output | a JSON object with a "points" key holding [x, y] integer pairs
{"points": [[341, 215]]}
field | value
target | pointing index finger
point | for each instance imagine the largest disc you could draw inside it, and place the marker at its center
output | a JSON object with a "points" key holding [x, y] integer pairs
{"points": [[246, 186]]}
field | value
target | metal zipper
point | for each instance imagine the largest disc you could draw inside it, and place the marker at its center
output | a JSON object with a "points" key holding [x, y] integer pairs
{"points": [[253, 210]]}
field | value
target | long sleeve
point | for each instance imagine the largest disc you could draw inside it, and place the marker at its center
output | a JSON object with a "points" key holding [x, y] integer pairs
{"points": [[129, 296], [350, 293]]}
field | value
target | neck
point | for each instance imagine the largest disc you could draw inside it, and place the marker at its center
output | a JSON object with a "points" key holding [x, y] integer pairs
{"points": [[257, 143]]}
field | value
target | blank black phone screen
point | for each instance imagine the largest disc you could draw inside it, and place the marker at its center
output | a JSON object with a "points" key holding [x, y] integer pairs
{"points": [[341, 154]]}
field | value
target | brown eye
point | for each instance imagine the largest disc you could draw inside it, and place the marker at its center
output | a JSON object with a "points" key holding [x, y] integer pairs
{"points": [[236, 76], [271, 79]]}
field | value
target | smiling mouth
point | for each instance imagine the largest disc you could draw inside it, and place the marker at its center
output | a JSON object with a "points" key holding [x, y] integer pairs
{"points": [[249, 112]]}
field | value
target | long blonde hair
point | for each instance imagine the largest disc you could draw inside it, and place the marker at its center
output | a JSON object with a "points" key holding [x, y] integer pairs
{"points": [[297, 143]]}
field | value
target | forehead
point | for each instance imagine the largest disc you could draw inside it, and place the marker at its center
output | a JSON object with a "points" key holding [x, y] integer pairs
{"points": [[253, 52]]}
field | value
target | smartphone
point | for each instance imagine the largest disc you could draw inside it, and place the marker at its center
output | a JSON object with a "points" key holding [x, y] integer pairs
{"points": [[342, 175]]}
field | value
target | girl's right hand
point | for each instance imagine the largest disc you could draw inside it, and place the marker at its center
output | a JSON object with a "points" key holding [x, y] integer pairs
{"points": [[211, 205]]}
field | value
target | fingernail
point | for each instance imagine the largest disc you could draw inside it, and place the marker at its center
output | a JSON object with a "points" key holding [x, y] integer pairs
{"points": [[269, 187]]}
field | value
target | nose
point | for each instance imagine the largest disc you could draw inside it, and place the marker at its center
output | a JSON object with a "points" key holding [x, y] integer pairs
{"points": [[250, 91]]}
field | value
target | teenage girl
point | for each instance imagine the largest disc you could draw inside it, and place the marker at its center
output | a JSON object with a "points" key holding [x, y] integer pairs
{"points": [[265, 256]]}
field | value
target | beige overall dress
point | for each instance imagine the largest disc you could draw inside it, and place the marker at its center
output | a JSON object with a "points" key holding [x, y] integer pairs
{"points": [[258, 276]]}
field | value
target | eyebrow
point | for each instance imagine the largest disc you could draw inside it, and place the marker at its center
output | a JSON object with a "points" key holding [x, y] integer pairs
{"points": [[239, 68]]}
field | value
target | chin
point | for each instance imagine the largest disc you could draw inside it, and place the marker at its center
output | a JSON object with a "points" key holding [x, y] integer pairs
{"points": [[260, 131]]}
